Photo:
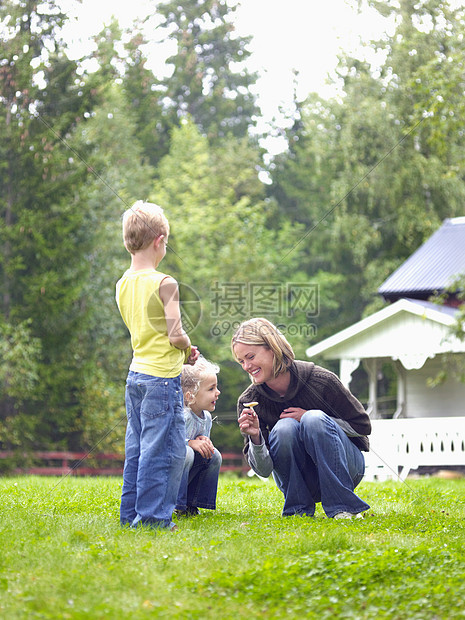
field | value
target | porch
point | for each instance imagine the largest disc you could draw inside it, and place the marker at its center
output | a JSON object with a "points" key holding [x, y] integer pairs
{"points": [[398, 446]]}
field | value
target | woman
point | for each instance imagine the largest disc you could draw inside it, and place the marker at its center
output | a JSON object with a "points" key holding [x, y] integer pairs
{"points": [[306, 429]]}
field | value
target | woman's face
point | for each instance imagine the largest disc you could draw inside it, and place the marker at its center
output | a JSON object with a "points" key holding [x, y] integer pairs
{"points": [[256, 360]]}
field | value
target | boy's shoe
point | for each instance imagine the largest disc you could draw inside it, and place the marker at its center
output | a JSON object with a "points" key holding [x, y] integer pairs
{"points": [[348, 515], [191, 511], [174, 528]]}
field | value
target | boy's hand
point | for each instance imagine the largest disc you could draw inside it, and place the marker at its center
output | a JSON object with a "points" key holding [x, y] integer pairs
{"points": [[203, 445], [193, 356]]}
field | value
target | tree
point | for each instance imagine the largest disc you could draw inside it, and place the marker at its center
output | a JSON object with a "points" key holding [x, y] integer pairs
{"points": [[321, 182], [210, 83], [368, 174], [144, 95], [221, 244], [71, 165], [42, 100]]}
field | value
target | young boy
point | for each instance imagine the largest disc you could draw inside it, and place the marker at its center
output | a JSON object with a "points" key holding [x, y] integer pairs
{"points": [[148, 301], [199, 482]]}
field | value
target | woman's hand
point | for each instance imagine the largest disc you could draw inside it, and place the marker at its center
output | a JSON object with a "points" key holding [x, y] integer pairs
{"points": [[203, 445], [250, 425], [293, 412]]}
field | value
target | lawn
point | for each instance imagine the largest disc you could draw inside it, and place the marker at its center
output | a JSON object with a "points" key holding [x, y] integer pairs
{"points": [[63, 555]]}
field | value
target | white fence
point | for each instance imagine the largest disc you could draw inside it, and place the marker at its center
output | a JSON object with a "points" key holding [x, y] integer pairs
{"points": [[397, 446]]}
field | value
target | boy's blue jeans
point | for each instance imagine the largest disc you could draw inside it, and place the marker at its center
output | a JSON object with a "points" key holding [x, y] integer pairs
{"points": [[155, 450], [313, 461], [199, 482]]}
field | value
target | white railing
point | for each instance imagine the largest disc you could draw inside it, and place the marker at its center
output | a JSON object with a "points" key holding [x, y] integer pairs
{"points": [[397, 446]]}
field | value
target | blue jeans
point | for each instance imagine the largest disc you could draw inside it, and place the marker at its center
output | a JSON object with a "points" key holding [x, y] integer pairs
{"points": [[199, 482], [315, 461], [155, 450]]}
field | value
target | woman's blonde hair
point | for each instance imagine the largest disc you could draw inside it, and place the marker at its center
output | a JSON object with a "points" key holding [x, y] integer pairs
{"points": [[260, 332], [192, 377], [142, 223]]}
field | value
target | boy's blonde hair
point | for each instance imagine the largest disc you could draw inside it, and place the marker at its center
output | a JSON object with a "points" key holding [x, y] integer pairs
{"points": [[142, 223], [260, 332], [192, 377]]}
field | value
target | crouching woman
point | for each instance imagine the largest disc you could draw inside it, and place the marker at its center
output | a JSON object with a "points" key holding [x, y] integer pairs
{"points": [[304, 427]]}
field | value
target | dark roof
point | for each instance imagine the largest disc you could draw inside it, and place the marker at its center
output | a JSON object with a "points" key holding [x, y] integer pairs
{"points": [[432, 267]]}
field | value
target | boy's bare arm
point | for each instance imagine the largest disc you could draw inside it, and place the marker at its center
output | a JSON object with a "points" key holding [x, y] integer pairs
{"points": [[169, 294]]}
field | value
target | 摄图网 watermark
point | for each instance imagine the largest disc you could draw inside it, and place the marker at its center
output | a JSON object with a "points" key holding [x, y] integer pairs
{"points": [[233, 302]]}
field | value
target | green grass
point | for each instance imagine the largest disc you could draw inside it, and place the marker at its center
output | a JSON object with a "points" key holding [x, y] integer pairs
{"points": [[63, 555]]}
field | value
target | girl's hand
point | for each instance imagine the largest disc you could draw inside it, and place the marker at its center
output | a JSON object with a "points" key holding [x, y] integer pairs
{"points": [[203, 445], [293, 412], [207, 441], [250, 425]]}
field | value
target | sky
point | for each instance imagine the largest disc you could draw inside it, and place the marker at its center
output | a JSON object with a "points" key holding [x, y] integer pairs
{"points": [[288, 35]]}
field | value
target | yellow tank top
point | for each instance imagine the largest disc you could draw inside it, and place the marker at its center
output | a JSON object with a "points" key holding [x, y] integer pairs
{"points": [[142, 310]]}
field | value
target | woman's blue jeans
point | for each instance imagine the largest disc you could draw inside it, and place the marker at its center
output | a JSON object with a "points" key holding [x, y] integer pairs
{"points": [[314, 461], [155, 450], [199, 483]]}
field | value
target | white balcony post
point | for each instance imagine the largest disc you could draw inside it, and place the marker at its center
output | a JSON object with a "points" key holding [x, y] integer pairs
{"points": [[371, 366]]}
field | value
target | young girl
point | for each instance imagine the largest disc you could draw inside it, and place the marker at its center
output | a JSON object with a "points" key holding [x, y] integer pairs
{"points": [[199, 482]]}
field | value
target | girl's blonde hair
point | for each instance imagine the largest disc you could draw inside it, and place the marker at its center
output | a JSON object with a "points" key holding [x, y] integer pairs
{"points": [[142, 223], [192, 377], [261, 332]]}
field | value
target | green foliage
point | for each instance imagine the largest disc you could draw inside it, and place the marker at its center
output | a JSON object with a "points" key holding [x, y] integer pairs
{"points": [[209, 82], [64, 184], [40, 268], [20, 357], [404, 560], [226, 436], [221, 241], [143, 94], [453, 364]]}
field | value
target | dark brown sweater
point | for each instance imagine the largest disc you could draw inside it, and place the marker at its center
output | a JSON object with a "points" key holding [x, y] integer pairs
{"points": [[311, 387]]}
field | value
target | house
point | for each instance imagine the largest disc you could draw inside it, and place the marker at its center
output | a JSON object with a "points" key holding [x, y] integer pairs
{"points": [[412, 336]]}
